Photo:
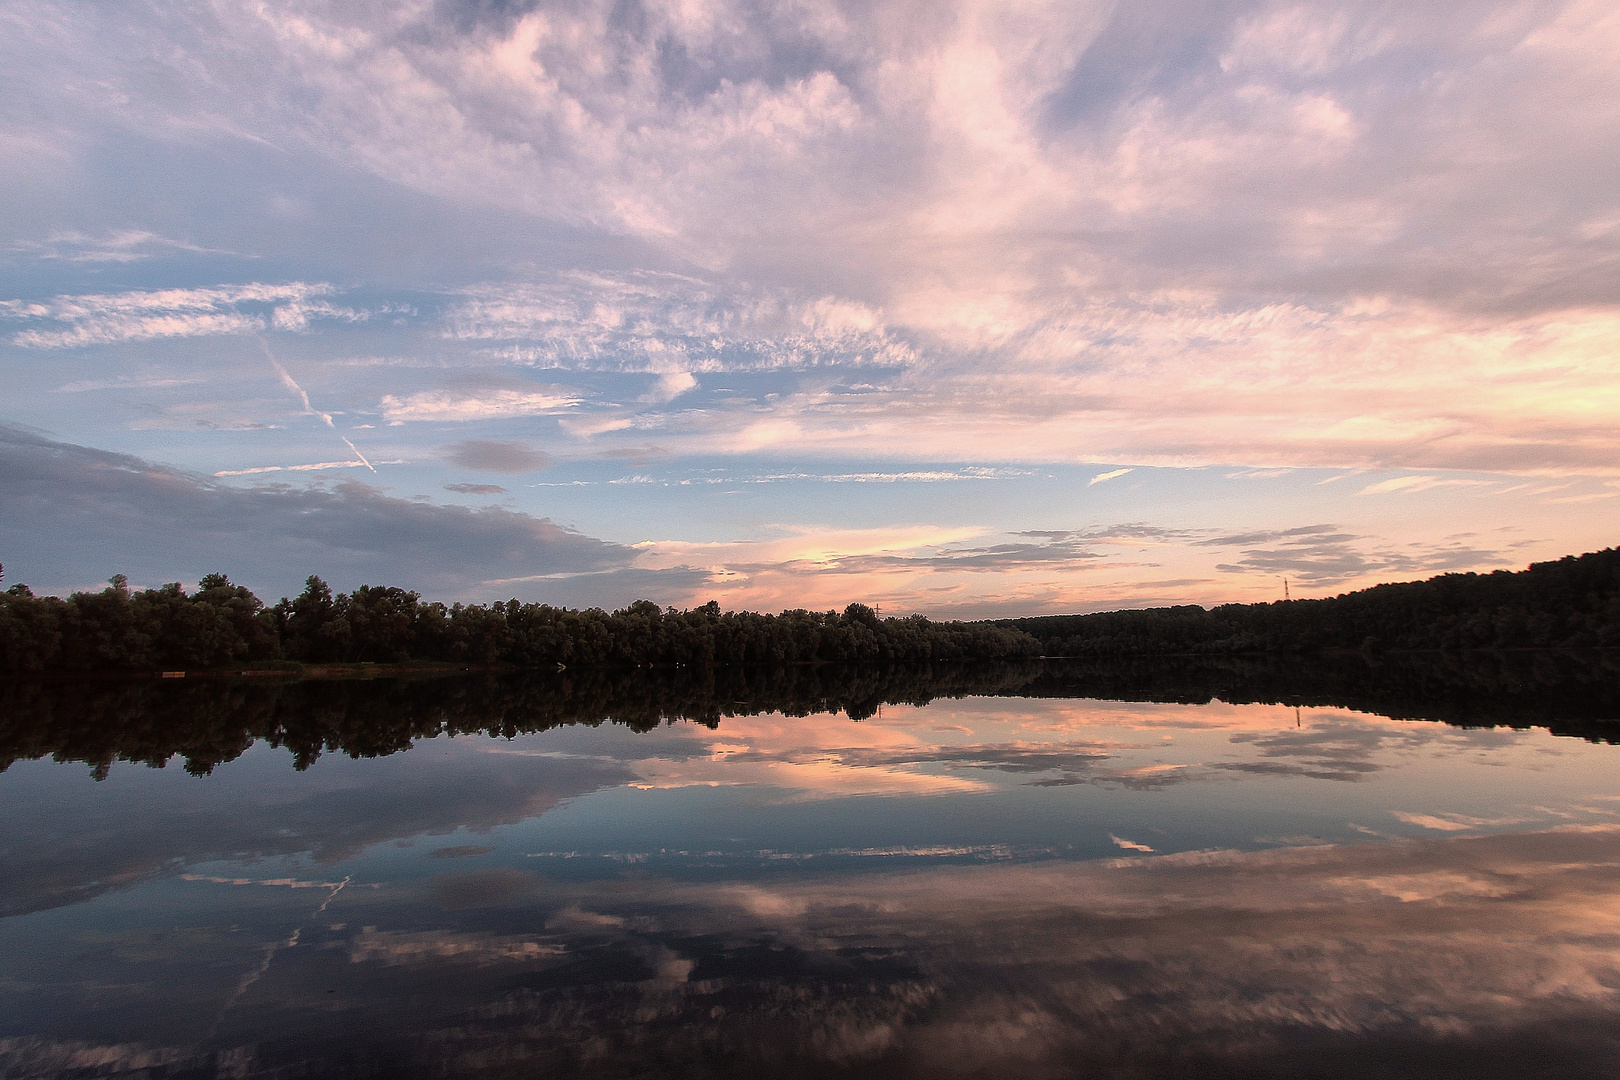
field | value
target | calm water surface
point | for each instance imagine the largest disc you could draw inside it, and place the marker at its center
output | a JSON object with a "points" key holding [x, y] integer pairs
{"points": [[991, 886]]}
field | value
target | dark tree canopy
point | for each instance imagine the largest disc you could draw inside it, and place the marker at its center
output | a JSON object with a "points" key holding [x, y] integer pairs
{"points": [[1571, 603], [222, 626]]}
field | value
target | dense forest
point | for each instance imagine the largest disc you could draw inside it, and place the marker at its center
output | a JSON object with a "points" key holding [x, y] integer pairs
{"points": [[1571, 603], [222, 626]]}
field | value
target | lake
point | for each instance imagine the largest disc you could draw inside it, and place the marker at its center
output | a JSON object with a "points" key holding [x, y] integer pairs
{"points": [[1358, 868]]}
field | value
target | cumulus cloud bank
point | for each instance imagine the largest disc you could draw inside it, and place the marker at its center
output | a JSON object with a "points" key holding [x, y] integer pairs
{"points": [[1253, 232]]}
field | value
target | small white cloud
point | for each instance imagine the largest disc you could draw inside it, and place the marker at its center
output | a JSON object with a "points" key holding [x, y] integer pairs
{"points": [[670, 386], [1128, 845], [480, 405], [1101, 477], [318, 466], [83, 385]]}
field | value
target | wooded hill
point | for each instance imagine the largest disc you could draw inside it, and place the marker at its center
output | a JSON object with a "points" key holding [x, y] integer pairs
{"points": [[1571, 603]]}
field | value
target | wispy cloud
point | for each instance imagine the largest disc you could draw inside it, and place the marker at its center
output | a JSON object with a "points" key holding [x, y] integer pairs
{"points": [[77, 321], [124, 382], [720, 477], [318, 466], [1304, 534], [1411, 485], [452, 405], [122, 246], [670, 325], [1452, 822], [1321, 555], [292, 384]]}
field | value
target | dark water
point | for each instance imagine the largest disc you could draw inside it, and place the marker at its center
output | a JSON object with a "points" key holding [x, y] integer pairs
{"points": [[1401, 868]]}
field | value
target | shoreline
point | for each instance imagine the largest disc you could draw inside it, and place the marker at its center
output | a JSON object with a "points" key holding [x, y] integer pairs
{"points": [[293, 672]]}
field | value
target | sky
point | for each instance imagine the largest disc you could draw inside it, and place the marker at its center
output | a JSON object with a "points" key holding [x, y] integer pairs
{"points": [[973, 310]]}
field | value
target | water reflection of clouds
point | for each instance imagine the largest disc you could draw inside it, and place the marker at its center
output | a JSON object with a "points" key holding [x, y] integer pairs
{"points": [[492, 887], [74, 848], [1136, 778], [1328, 738], [141, 822], [983, 745], [403, 947], [1327, 960], [1330, 742], [1050, 715], [824, 935], [751, 857], [1227, 945], [1343, 747], [911, 751]]}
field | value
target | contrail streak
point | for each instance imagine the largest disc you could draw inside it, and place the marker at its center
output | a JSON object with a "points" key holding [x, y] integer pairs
{"points": [[274, 947], [356, 450], [309, 410]]}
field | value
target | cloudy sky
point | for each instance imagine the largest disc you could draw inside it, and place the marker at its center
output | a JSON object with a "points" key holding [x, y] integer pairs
{"points": [[958, 308]]}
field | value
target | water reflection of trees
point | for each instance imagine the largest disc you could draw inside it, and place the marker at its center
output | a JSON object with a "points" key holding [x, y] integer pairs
{"points": [[1575, 692], [207, 722]]}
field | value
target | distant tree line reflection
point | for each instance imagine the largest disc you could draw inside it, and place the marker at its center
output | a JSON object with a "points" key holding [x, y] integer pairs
{"points": [[206, 722]]}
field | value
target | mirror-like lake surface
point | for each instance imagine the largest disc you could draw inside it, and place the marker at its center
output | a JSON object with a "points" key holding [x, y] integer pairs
{"points": [[1006, 885]]}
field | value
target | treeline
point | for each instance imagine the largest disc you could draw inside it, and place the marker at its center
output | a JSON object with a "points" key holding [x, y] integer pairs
{"points": [[1571, 603], [222, 625]]}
